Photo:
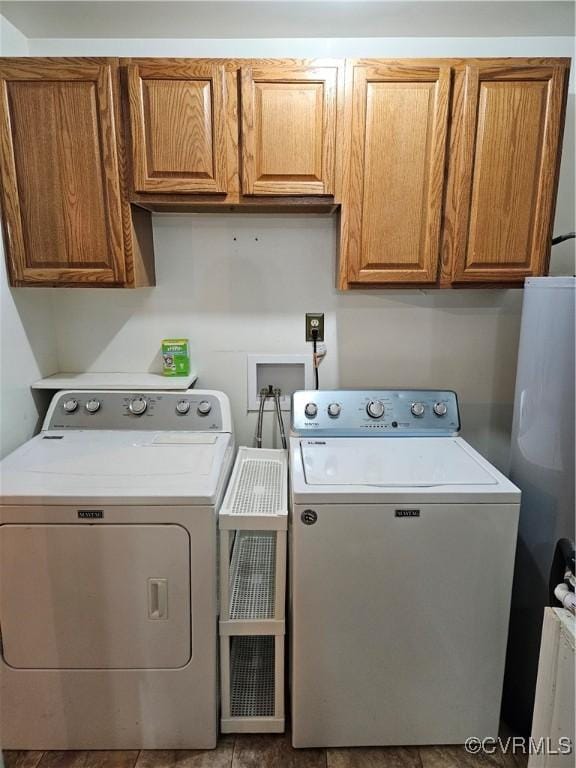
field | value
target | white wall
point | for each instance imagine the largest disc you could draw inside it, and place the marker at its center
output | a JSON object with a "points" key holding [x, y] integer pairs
{"points": [[304, 47], [27, 353], [12, 41], [27, 335], [238, 283]]}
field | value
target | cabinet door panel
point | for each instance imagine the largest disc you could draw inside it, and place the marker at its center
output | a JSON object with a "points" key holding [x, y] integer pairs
{"points": [[178, 123], [60, 178], [289, 118], [511, 124], [394, 192]]}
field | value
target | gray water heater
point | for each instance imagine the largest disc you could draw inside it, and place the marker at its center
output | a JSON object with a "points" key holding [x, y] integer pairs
{"points": [[542, 465]]}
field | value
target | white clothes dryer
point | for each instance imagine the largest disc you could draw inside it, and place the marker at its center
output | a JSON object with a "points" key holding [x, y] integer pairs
{"points": [[108, 606]]}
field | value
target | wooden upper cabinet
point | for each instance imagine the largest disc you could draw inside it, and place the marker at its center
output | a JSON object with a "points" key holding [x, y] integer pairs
{"points": [[396, 135], [506, 152], [446, 169], [289, 128], [59, 170], [178, 119]]}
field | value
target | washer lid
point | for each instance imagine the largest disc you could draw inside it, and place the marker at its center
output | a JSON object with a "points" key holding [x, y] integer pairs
{"points": [[388, 463]]}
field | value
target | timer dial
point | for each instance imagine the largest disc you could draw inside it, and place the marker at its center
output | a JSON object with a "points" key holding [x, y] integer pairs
{"points": [[137, 406], [70, 405], [204, 408], [182, 406], [334, 410], [417, 409], [311, 409], [375, 409], [440, 409], [92, 405]]}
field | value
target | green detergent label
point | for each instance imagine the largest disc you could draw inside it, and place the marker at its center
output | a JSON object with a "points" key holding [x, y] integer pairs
{"points": [[175, 357]]}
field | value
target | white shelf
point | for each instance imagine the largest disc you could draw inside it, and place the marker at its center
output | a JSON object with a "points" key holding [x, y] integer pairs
{"points": [[252, 572], [252, 677], [253, 583], [253, 668], [253, 523], [130, 381], [257, 495]]}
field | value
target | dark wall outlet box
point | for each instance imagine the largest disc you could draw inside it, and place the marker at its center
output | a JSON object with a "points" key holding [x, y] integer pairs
{"points": [[315, 321]]}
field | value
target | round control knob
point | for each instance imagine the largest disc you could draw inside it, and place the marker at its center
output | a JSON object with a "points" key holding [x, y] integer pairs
{"points": [[182, 406], [137, 406], [70, 405], [92, 405], [311, 409], [440, 409], [204, 408], [417, 409], [375, 409], [334, 410]]}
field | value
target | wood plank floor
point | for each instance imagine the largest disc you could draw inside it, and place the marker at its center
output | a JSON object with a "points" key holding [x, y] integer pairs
{"points": [[266, 752]]}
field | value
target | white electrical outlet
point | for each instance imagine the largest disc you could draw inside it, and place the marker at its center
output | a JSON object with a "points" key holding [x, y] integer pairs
{"points": [[288, 372]]}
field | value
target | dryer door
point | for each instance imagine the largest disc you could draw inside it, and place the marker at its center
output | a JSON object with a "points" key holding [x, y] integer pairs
{"points": [[95, 596]]}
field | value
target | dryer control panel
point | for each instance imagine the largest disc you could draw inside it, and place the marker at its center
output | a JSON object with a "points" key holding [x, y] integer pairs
{"points": [[375, 412], [191, 410]]}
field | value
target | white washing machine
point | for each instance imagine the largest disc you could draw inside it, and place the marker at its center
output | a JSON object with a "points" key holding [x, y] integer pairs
{"points": [[402, 546], [108, 608]]}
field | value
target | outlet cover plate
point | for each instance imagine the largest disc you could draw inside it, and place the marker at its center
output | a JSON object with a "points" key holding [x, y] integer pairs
{"points": [[289, 372], [315, 320]]}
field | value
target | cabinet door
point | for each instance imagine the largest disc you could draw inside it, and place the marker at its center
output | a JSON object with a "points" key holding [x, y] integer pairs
{"points": [[507, 154], [289, 121], [59, 167], [178, 123], [392, 196]]}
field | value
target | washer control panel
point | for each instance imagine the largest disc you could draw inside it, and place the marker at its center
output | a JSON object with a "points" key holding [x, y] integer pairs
{"points": [[190, 410], [375, 412]]}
